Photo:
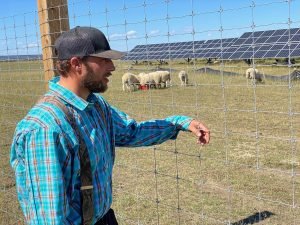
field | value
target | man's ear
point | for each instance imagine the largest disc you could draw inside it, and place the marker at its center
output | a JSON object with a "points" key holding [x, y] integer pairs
{"points": [[76, 64]]}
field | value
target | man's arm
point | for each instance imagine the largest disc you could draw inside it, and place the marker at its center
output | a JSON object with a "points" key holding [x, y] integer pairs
{"points": [[130, 133]]}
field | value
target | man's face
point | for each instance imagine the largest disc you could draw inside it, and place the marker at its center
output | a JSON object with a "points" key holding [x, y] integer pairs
{"points": [[97, 72]]}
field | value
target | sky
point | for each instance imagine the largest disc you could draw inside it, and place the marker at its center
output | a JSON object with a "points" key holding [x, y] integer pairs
{"points": [[128, 23]]}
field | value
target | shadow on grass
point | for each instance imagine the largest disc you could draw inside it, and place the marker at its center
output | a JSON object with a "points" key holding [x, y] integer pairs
{"points": [[255, 218]]}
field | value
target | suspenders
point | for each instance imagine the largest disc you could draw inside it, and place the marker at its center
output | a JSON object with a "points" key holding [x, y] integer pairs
{"points": [[85, 165]]}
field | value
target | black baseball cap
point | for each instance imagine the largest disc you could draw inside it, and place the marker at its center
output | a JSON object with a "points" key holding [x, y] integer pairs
{"points": [[84, 41]]}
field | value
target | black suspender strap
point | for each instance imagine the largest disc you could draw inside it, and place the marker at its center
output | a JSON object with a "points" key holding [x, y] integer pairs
{"points": [[85, 165]]}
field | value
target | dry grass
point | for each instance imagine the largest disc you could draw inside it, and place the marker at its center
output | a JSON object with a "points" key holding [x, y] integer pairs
{"points": [[251, 165]]}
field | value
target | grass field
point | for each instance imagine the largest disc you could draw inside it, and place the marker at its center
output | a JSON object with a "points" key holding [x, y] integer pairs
{"points": [[249, 173]]}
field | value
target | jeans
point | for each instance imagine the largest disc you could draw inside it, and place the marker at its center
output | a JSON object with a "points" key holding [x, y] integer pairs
{"points": [[108, 219]]}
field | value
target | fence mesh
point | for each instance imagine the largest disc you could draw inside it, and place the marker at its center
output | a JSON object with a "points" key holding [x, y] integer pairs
{"points": [[250, 171]]}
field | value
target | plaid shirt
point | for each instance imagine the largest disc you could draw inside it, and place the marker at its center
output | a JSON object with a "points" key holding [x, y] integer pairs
{"points": [[44, 153]]}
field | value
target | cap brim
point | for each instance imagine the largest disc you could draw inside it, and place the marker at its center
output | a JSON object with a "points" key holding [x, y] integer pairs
{"points": [[109, 54]]}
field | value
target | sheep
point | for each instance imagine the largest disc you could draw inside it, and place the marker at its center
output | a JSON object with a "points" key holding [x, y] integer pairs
{"points": [[183, 77], [161, 77], [254, 75], [130, 81], [146, 79], [155, 78], [165, 78], [250, 73]]}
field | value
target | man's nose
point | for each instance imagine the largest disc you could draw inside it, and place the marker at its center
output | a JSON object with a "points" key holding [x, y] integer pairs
{"points": [[111, 65]]}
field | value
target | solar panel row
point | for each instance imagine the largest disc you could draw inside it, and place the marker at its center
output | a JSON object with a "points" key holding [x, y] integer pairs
{"points": [[260, 44]]}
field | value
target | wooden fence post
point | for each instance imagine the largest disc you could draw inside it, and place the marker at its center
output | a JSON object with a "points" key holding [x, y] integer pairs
{"points": [[53, 19]]}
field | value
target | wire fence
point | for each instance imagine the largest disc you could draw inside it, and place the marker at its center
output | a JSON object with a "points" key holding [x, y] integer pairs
{"points": [[248, 174]]}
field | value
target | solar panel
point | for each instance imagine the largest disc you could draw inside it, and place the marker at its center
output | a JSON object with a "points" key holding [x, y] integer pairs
{"points": [[271, 54], [246, 35], [295, 52], [238, 53], [239, 41], [273, 39], [259, 54], [261, 40], [294, 30], [296, 38], [247, 55], [279, 32], [268, 33], [284, 53], [283, 39], [258, 44]]}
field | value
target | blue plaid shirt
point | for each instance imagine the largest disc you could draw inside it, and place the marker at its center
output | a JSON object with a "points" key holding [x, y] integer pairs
{"points": [[44, 153]]}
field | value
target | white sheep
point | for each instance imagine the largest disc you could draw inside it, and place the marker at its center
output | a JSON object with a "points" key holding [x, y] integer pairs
{"points": [[183, 77], [146, 79], [165, 78], [155, 78], [254, 75], [250, 73], [130, 81]]}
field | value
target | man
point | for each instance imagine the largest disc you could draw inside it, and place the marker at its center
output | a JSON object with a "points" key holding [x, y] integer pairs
{"points": [[63, 151]]}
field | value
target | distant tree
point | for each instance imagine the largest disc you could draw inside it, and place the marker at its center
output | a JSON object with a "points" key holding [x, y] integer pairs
{"points": [[248, 61], [188, 60], [289, 61], [209, 61]]}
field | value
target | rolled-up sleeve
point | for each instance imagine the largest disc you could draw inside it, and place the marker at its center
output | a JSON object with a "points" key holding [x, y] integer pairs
{"points": [[130, 133]]}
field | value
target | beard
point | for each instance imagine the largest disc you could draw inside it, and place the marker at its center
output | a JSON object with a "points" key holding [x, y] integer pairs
{"points": [[92, 85]]}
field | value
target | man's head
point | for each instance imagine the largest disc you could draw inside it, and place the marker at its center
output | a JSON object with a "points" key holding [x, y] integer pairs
{"points": [[84, 54]]}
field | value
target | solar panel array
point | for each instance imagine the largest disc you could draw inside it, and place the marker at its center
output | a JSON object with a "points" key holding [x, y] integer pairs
{"points": [[281, 43]]}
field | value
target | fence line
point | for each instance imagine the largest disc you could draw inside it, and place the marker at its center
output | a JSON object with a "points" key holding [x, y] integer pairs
{"points": [[250, 171]]}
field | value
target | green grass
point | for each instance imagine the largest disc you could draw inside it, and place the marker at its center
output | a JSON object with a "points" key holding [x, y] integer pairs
{"points": [[250, 166]]}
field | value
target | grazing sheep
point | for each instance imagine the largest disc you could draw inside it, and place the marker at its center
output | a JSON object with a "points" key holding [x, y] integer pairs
{"points": [[250, 73], [161, 77], [146, 79], [165, 78], [254, 75], [183, 77], [130, 81], [155, 78]]}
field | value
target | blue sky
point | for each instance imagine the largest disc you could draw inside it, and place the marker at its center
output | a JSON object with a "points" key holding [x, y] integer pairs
{"points": [[123, 21]]}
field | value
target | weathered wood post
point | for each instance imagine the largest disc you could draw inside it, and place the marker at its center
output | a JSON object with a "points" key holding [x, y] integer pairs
{"points": [[53, 19]]}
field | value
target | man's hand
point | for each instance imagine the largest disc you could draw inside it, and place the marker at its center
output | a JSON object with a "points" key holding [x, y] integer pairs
{"points": [[201, 131]]}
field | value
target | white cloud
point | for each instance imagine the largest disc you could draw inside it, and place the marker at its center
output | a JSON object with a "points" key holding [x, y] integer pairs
{"points": [[153, 32], [130, 34]]}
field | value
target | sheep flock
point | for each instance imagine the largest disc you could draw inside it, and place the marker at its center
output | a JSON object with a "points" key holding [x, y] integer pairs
{"points": [[157, 79], [162, 79]]}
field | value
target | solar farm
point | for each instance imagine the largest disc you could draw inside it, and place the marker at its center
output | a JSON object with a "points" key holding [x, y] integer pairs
{"points": [[281, 43]]}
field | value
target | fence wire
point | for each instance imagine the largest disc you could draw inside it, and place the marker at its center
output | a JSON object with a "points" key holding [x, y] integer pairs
{"points": [[250, 171]]}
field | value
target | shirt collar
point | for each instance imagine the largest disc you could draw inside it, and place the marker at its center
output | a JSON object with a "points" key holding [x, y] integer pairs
{"points": [[68, 95]]}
